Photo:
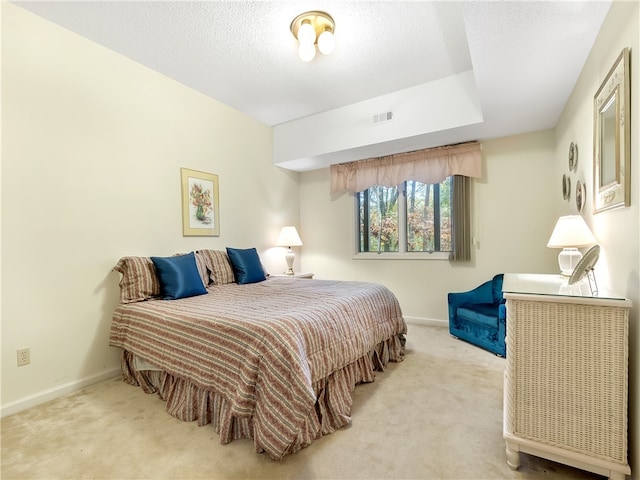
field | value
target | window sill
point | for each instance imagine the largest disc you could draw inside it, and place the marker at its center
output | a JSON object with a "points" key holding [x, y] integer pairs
{"points": [[401, 256]]}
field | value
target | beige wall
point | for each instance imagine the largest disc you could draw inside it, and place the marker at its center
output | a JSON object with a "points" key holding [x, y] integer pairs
{"points": [[617, 231], [511, 221], [92, 145]]}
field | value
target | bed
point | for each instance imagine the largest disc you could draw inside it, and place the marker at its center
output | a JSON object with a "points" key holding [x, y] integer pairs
{"points": [[274, 360]]}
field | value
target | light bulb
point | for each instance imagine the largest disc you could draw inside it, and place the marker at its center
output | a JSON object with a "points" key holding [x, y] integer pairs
{"points": [[306, 33], [326, 42], [307, 52]]}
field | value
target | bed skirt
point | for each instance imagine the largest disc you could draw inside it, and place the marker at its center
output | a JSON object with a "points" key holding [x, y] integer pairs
{"points": [[334, 397]]}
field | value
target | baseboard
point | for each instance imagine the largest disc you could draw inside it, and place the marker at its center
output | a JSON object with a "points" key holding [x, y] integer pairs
{"points": [[52, 394], [432, 322]]}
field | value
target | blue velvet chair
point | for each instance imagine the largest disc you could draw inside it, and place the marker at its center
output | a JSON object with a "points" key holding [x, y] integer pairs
{"points": [[479, 316]]}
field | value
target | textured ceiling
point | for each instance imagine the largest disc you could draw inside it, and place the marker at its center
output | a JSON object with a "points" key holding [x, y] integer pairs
{"points": [[525, 56]]}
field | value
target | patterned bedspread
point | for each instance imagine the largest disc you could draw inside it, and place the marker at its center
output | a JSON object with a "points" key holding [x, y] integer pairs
{"points": [[264, 347]]}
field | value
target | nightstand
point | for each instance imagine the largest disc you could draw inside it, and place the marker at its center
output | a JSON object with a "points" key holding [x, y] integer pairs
{"points": [[295, 275]]}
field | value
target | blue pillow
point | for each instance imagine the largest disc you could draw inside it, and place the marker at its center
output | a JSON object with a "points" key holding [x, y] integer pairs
{"points": [[179, 276], [246, 265]]}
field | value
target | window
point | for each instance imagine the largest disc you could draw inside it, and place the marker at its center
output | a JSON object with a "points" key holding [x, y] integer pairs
{"points": [[426, 209], [413, 217]]}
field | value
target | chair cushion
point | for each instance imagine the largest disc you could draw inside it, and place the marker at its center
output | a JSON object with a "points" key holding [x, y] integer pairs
{"points": [[485, 314]]}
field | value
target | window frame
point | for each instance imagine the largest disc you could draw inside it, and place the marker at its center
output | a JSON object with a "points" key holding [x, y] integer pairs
{"points": [[402, 253]]}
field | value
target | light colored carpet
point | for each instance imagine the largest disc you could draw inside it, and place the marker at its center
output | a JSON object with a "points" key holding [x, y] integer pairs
{"points": [[437, 415]]}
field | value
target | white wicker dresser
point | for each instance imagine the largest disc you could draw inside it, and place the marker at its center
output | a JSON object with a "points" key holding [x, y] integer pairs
{"points": [[566, 378]]}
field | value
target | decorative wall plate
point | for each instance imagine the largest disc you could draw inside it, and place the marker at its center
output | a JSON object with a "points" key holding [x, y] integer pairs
{"points": [[566, 187], [573, 157], [585, 265], [581, 195]]}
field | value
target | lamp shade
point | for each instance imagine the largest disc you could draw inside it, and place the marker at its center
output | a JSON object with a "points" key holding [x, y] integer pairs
{"points": [[289, 237], [571, 231]]}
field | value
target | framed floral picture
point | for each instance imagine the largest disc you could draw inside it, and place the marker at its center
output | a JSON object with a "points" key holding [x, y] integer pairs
{"points": [[200, 204]]}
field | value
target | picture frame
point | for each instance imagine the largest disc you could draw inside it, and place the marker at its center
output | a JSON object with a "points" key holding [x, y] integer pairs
{"points": [[200, 204], [612, 138]]}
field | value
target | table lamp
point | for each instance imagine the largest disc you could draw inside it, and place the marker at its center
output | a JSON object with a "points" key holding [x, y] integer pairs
{"points": [[570, 233], [289, 238]]}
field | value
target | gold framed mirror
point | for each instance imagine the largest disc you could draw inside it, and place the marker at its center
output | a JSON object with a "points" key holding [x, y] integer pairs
{"points": [[612, 138]]}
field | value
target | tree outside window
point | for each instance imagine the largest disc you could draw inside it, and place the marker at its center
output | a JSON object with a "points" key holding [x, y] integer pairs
{"points": [[411, 217]]}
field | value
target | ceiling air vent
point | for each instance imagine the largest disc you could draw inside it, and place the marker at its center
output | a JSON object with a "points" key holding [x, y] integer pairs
{"points": [[382, 118]]}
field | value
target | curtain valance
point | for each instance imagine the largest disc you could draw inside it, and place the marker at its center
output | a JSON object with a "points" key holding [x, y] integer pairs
{"points": [[432, 165]]}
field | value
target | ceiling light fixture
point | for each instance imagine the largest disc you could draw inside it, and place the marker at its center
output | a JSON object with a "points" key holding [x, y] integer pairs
{"points": [[311, 29]]}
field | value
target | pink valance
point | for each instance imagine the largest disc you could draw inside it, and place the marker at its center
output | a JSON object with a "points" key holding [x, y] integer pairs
{"points": [[432, 165]]}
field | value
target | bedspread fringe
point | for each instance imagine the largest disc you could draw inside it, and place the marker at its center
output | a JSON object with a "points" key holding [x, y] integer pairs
{"points": [[189, 402]]}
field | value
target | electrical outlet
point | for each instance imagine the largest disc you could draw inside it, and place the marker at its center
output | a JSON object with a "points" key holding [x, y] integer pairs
{"points": [[24, 356]]}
